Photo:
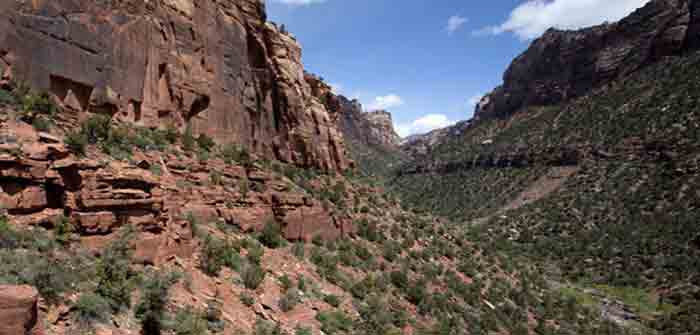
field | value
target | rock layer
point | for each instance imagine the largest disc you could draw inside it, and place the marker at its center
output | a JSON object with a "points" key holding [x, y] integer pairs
{"points": [[217, 65], [374, 128], [562, 65], [18, 310]]}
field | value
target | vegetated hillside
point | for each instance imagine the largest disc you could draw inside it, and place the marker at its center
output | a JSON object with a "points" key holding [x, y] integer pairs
{"points": [[602, 190], [128, 230]]}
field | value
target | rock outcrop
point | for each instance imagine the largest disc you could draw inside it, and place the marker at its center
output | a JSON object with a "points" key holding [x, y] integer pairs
{"points": [[19, 314], [374, 128], [42, 183], [218, 66], [562, 65]]}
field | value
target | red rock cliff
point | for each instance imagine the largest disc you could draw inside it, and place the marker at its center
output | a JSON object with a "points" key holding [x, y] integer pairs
{"points": [[217, 65], [566, 64]]}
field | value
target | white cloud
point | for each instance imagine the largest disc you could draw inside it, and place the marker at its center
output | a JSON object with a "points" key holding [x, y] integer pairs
{"points": [[424, 124], [455, 22], [299, 2], [534, 17], [386, 102]]}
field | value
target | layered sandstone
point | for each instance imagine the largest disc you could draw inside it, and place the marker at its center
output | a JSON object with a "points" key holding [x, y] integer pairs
{"points": [[19, 313], [218, 66], [562, 65], [374, 128]]}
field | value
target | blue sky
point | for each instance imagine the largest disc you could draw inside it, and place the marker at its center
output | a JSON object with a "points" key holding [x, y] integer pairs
{"points": [[426, 61]]}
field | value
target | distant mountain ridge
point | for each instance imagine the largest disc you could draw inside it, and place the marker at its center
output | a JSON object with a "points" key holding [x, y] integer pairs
{"points": [[562, 65]]}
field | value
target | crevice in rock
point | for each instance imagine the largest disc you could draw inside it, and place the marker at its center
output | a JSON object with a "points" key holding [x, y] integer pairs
{"points": [[61, 86], [136, 108], [199, 105]]}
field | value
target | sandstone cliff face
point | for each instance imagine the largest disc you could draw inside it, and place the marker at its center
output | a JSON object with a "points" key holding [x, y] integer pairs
{"points": [[217, 65], [565, 64], [374, 128]]}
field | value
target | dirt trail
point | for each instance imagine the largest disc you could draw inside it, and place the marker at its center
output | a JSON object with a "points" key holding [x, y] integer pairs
{"points": [[550, 182]]}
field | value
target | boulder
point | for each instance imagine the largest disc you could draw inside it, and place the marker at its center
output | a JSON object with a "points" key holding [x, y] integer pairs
{"points": [[18, 310]]}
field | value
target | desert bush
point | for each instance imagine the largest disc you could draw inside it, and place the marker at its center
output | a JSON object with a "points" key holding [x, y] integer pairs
{"points": [[96, 128], [271, 235], [189, 322], [255, 251], [92, 308], [298, 250], [290, 300], [263, 327], [299, 330], [76, 141], [285, 282], [151, 308], [247, 299], [332, 300], [205, 142], [334, 322], [114, 273], [188, 141], [41, 123], [253, 275]]}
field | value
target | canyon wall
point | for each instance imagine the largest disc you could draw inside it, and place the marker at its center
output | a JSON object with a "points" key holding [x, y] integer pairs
{"points": [[217, 66], [562, 65]]}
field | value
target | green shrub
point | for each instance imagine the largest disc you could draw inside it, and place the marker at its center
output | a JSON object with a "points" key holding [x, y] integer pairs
{"points": [[247, 299], [271, 235], [301, 283], [39, 103], [317, 240], [290, 300], [233, 153], [399, 279], [189, 322], [114, 273], [299, 330], [263, 327], [255, 252], [334, 322], [298, 250], [188, 140], [92, 308], [96, 128], [51, 276], [205, 142], [63, 230], [332, 300], [7, 98], [41, 123], [217, 254], [76, 141], [172, 134], [151, 308], [212, 258], [285, 282], [253, 275]]}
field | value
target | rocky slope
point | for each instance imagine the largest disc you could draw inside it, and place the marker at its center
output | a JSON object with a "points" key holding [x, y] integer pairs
{"points": [[594, 179], [562, 65], [217, 66]]}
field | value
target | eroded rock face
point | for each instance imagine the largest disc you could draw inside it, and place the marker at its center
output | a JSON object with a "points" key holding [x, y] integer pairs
{"points": [[18, 310], [217, 65], [374, 128], [562, 65]]}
